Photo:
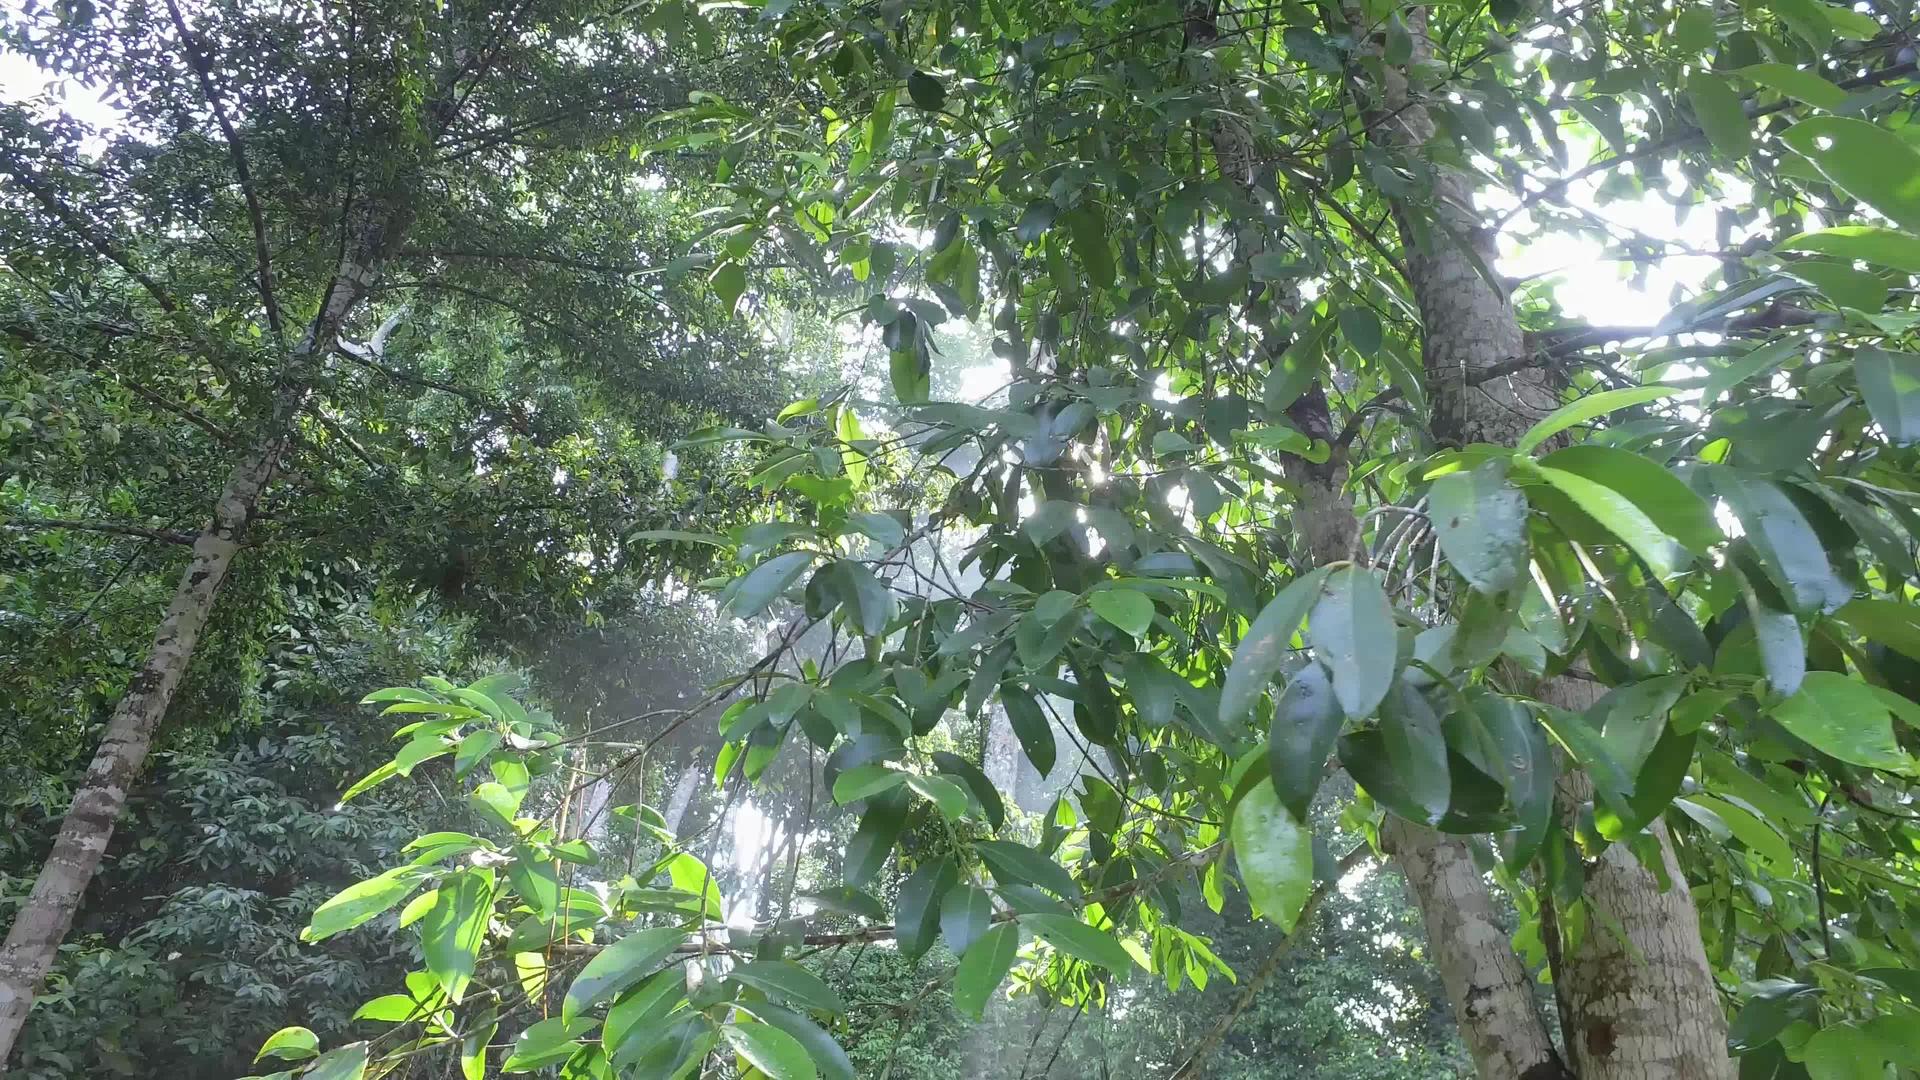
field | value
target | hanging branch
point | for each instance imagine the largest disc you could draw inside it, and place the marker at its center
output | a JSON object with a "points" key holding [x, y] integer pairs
{"points": [[1269, 968], [262, 261]]}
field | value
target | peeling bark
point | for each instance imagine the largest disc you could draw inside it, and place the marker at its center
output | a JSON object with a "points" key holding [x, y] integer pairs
{"points": [[33, 941]]}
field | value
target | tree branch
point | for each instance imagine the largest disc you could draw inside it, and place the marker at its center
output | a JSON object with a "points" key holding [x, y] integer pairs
{"points": [[1658, 146], [1269, 968], [79, 227], [108, 527], [262, 261]]}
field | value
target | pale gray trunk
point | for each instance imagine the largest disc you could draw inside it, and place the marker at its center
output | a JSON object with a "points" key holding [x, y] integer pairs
{"points": [[1489, 989], [1636, 988], [593, 814], [33, 941], [1491, 993], [1001, 756], [682, 798], [1648, 1006]]}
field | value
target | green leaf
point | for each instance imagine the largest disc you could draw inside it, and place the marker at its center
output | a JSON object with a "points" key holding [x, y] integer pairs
{"points": [[474, 748], [1666, 500], [1087, 231], [873, 841], [1275, 854], [390, 1008], [789, 982], [1078, 940], [1353, 633], [619, 966], [535, 880], [847, 900], [917, 912], [911, 373], [1795, 83], [1619, 516], [1783, 651], [1588, 408], [452, 932], [1763, 359], [357, 903], [1030, 726], [1788, 547], [1266, 645], [1127, 609], [291, 1044], [884, 528], [495, 800], [641, 1012], [965, 915], [1716, 105], [1867, 243], [1841, 283], [1481, 523], [1749, 829], [1017, 864], [473, 1051], [1768, 1012], [865, 781], [926, 91], [1304, 43], [546, 1042], [1889, 622], [1361, 329], [729, 281], [690, 875], [673, 1054], [1890, 381], [1843, 1052], [1841, 717], [1416, 748], [1864, 160], [1306, 725], [949, 797], [767, 581], [1693, 30], [1289, 377], [983, 967], [976, 782], [347, 1062], [1035, 220], [679, 536], [828, 1057], [1499, 737]]}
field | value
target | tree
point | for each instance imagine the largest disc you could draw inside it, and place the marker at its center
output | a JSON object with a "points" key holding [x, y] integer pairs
{"points": [[1629, 645], [277, 170]]}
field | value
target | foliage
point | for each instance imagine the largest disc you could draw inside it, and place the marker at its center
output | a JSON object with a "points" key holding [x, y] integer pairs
{"points": [[1257, 501], [1165, 217], [188, 953]]}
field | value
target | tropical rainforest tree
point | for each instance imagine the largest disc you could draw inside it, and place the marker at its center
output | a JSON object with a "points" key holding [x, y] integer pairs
{"points": [[1287, 479], [359, 294]]}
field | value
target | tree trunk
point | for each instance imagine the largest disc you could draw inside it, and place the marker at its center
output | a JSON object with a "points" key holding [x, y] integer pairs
{"points": [[34, 939], [1490, 991], [1637, 990], [1647, 1006], [682, 798]]}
